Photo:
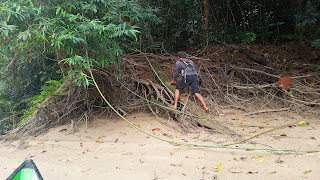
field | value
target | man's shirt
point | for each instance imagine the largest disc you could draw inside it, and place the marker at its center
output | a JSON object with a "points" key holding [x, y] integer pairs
{"points": [[180, 66]]}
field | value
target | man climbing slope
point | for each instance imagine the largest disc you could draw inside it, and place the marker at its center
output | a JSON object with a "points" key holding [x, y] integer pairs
{"points": [[189, 77]]}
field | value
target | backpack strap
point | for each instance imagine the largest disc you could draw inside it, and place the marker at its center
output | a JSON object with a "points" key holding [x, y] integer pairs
{"points": [[188, 66], [184, 62]]}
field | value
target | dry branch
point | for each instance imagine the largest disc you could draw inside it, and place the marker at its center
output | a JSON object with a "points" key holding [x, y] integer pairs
{"points": [[265, 111], [225, 81]]}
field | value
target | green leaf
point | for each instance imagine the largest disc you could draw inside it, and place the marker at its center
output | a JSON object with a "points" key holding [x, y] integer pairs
{"points": [[18, 8], [31, 4], [9, 16], [58, 9]]}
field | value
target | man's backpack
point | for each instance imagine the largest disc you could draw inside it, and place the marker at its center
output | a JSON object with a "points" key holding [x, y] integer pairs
{"points": [[188, 64], [188, 68]]}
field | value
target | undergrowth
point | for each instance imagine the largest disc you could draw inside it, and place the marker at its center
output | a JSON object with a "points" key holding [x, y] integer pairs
{"points": [[48, 89]]}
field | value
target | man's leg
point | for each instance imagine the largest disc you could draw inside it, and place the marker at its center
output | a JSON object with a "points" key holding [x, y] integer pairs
{"points": [[201, 99], [176, 98], [195, 89]]}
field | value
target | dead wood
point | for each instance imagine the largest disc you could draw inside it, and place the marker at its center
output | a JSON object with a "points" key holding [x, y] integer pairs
{"points": [[256, 57], [226, 80], [266, 110]]}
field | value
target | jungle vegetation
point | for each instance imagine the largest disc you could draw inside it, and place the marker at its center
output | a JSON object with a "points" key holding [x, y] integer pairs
{"points": [[44, 42]]}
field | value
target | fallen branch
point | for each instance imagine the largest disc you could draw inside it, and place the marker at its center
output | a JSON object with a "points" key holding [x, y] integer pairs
{"points": [[265, 111]]}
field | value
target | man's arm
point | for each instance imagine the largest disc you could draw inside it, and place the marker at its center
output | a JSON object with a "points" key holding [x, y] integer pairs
{"points": [[176, 71]]}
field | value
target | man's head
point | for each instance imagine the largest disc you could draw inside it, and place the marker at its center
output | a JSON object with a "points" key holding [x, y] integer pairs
{"points": [[181, 54]]}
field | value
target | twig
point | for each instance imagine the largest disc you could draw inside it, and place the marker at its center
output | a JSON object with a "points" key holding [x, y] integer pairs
{"points": [[11, 62]]}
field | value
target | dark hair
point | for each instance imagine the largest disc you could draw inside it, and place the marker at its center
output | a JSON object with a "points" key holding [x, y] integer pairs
{"points": [[182, 54]]}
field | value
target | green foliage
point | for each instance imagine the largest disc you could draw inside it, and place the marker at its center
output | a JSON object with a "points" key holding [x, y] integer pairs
{"points": [[316, 43], [5, 125], [309, 15], [267, 31], [6, 116], [288, 36], [50, 88], [229, 21], [6, 107], [289, 93], [249, 37], [308, 18], [183, 23], [38, 35], [118, 75], [234, 22], [88, 30], [79, 63], [23, 79]]}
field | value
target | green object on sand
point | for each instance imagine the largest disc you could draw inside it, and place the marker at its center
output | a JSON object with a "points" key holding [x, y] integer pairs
{"points": [[26, 171]]}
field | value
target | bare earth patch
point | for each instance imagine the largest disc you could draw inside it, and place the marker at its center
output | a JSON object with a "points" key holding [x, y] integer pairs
{"points": [[112, 149]]}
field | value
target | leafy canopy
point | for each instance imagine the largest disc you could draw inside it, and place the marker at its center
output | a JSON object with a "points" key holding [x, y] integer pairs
{"points": [[81, 33], [40, 37]]}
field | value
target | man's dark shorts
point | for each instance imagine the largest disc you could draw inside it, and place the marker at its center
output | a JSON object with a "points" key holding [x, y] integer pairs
{"points": [[192, 80]]}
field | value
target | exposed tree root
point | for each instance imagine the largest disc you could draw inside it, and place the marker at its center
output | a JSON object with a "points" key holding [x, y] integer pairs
{"points": [[228, 81]]}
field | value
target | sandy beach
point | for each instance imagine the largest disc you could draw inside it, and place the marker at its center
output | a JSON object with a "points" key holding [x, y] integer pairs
{"points": [[112, 149]]}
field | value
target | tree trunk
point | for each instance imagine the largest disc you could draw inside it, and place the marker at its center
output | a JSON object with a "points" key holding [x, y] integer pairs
{"points": [[206, 14], [206, 18]]}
